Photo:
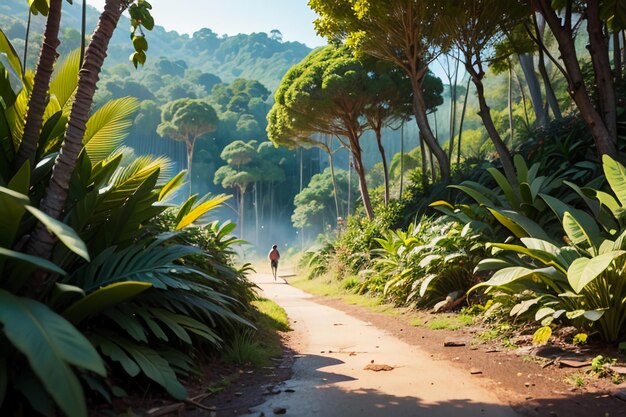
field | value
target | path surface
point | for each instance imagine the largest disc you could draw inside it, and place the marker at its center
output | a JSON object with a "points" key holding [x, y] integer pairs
{"points": [[329, 380]]}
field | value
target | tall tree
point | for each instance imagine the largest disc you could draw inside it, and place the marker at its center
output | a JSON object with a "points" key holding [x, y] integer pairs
{"points": [[403, 32], [237, 174], [186, 120], [602, 121], [326, 93], [473, 26], [41, 241]]}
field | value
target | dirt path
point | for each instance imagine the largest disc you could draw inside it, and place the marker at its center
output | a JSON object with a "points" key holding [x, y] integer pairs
{"points": [[329, 376]]}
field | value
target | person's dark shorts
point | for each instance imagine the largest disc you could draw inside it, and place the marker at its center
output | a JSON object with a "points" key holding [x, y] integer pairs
{"points": [[274, 264]]}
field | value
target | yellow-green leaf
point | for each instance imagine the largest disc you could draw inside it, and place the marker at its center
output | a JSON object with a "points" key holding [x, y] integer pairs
{"points": [[200, 210]]}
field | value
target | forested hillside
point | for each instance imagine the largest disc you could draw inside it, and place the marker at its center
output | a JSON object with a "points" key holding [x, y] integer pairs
{"points": [[259, 56]]}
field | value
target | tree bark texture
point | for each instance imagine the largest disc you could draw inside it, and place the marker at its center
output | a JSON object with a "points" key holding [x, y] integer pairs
{"points": [[41, 242], [381, 150], [39, 96]]}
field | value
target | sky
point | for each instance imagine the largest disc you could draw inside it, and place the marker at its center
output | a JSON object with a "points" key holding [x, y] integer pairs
{"points": [[292, 18]]}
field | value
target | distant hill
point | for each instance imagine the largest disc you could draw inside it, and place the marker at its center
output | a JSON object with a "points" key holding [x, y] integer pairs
{"points": [[257, 56]]}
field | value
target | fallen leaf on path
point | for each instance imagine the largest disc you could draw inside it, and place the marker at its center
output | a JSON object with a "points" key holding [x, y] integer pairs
{"points": [[475, 371], [573, 364]]}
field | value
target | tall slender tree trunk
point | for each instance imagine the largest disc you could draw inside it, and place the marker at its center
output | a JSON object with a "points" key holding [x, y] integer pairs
{"points": [[605, 142], [331, 165], [39, 96], [256, 213], [381, 150], [423, 152], [599, 51], [83, 33], [485, 115], [510, 99], [242, 202], [528, 67], [401, 159], [189, 148], [360, 171], [617, 57], [419, 109], [41, 241], [540, 25], [467, 87]]}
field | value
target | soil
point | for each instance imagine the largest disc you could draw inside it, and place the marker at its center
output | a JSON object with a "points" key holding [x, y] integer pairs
{"points": [[536, 381]]}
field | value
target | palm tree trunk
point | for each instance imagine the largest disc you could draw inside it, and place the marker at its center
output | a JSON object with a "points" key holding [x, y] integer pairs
{"points": [[39, 97], [41, 241]]}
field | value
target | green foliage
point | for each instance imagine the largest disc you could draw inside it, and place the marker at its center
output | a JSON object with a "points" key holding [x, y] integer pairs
{"points": [[432, 260], [581, 282]]}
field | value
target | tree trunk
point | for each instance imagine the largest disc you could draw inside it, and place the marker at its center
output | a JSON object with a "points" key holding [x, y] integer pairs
{"points": [[41, 241], [467, 87], [401, 159], [419, 109], [485, 115], [599, 51], [242, 202], [331, 165], [381, 149], [550, 96], [510, 99], [39, 96], [360, 170], [423, 153], [617, 57], [528, 67], [256, 214], [605, 143]]}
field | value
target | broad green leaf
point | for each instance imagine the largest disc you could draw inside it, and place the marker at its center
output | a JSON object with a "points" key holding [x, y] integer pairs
{"points": [[524, 306], [506, 276], [545, 257], [504, 184], [586, 222], [7, 48], [34, 261], [520, 225], [51, 344], [585, 270], [11, 212], [576, 232], [542, 335], [185, 208], [616, 177], [104, 298], [63, 232], [21, 180], [479, 197], [117, 354], [543, 313], [521, 168]]}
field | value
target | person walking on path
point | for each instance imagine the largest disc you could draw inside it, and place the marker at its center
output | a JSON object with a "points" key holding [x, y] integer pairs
{"points": [[274, 256]]}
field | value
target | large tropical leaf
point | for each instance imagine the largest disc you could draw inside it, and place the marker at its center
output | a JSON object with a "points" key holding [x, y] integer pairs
{"points": [[470, 190], [154, 366], [586, 222], [51, 344], [519, 225], [507, 276], [104, 298], [616, 177], [108, 127], [7, 48], [172, 185], [585, 270]]}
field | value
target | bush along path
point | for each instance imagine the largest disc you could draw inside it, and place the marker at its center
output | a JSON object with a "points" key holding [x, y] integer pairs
{"points": [[345, 366]]}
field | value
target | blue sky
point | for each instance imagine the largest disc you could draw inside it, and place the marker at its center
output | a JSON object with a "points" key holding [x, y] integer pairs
{"points": [[293, 18]]}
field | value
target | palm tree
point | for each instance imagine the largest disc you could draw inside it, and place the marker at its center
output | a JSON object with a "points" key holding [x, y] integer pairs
{"points": [[42, 241]]}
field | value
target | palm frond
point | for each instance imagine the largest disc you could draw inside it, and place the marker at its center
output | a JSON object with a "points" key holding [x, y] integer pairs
{"points": [[16, 114], [140, 165], [108, 127], [65, 79]]}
